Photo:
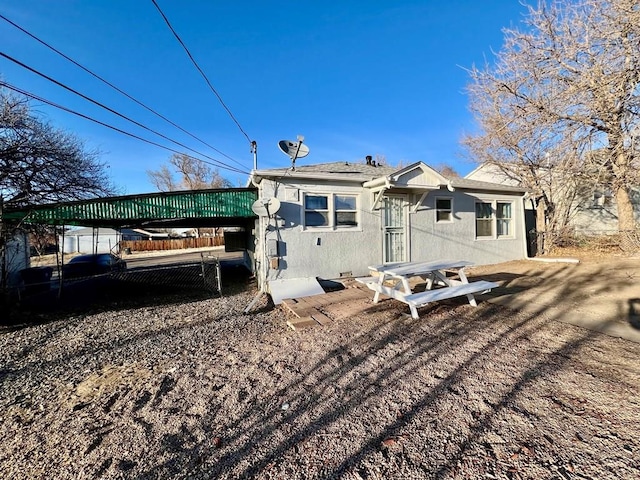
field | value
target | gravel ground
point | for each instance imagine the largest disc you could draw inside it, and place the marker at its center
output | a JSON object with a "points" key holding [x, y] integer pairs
{"points": [[195, 388]]}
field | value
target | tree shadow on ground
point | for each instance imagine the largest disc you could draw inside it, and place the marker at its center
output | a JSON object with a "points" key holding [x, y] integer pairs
{"points": [[634, 312], [444, 353], [414, 393]]}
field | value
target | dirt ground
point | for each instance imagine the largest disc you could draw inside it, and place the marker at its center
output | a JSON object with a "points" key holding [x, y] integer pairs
{"points": [[187, 387], [601, 292]]}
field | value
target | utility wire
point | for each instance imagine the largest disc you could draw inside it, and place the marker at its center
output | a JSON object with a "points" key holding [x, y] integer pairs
{"points": [[124, 132], [95, 102], [95, 75], [199, 69]]}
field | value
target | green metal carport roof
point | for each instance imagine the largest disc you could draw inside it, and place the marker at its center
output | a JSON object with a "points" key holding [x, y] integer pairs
{"points": [[192, 208]]}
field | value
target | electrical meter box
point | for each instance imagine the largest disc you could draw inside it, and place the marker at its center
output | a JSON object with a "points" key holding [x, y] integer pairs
{"points": [[272, 247]]}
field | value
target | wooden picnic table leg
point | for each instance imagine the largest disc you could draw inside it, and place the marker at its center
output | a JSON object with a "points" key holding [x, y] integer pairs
{"points": [[464, 279], [405, 285], [376, 296], [442, 276], [429, 278]]}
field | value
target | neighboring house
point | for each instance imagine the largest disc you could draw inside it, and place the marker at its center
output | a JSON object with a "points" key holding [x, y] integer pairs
{"points": [[104, 240], [89, 240], [592, 209], [336, 219], [99, 240]]}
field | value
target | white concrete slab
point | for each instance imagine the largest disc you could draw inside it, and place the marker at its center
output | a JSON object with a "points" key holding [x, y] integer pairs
{"points": [[293, 288]]}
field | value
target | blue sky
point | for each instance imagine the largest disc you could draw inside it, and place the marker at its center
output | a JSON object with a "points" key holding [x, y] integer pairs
{"points": [[355, 78]]}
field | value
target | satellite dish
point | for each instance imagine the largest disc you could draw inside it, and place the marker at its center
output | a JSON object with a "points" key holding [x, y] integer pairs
{"points": [[266, 208], [293, 149]]}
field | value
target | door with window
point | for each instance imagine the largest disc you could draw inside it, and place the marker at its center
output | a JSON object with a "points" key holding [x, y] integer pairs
{"points": [[394, 229]]}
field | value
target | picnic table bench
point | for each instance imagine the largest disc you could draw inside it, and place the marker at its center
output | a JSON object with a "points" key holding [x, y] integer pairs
{"points": [[392, 280]]}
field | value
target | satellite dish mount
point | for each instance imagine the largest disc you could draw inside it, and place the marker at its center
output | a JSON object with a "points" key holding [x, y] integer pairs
{"points": [[293, 149]]}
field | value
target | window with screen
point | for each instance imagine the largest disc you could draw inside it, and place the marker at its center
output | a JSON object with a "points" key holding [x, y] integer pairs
{"points": [[494, 219], [346, 213], [316, 210], [503, 219], [484, 220], [334, 211], [444, 210]]}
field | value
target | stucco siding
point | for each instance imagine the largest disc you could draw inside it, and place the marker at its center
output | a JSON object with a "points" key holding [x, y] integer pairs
{"points": [[431, 240], [330, 252], [322, 252]]}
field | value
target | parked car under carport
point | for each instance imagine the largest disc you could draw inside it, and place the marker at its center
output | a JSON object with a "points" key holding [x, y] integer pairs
{"points": [[93, 265]]}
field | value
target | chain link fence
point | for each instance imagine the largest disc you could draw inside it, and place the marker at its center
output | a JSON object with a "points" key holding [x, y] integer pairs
{"points": [[41, 287], [621, 242]]}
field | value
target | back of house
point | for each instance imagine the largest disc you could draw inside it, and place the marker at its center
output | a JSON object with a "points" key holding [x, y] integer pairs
{"points": [[336, 219]]}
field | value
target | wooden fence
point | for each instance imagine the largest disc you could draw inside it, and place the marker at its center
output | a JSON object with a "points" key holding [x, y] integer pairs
{"points": [[171, 244]]}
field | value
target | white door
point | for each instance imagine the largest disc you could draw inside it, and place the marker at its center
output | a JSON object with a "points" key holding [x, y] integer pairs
{"points": [[394, 229]]}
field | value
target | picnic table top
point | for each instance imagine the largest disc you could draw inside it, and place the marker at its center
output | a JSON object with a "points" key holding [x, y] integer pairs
{"points": [[416, 268]]}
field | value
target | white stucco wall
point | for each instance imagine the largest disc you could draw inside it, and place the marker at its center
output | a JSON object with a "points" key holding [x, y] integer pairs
{"points": [[320, 252], [331, 253], [457, 239]]}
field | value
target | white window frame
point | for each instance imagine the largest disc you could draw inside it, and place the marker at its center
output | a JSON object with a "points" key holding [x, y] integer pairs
{"points": [[508, 220], [438, 210], [331, 212], [603, 197], [494, 220], [305, 210], [345, 210]]}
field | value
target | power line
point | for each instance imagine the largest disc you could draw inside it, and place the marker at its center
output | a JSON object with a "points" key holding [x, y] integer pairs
{"points": [[175, 34], [95, 102], [119, 130], [95, 75]]}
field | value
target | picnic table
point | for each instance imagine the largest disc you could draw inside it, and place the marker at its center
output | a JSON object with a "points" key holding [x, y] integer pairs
{"points": [[392, 280]]}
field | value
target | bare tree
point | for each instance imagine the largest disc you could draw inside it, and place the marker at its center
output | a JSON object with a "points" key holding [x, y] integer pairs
{"points": [[163, 179], [192, 174], [565, 85], [446, 170], [39, 163]]}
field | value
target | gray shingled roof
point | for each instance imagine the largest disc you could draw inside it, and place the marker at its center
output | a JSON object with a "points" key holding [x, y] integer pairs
{"points": [[343, 169], [467, 184], [363, 172]]}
